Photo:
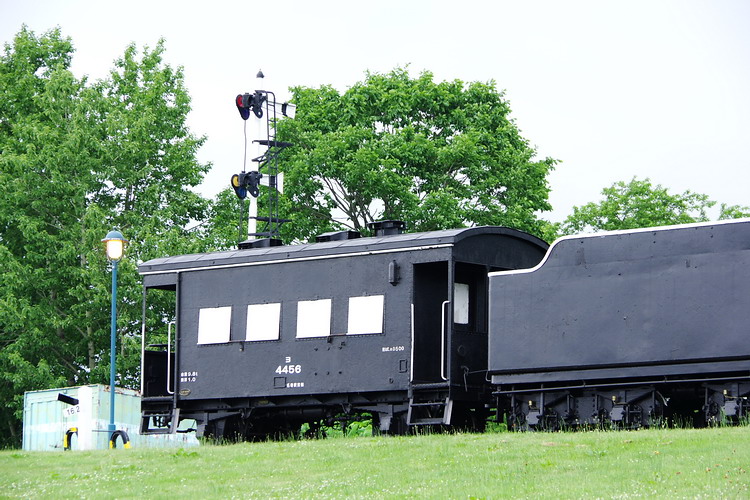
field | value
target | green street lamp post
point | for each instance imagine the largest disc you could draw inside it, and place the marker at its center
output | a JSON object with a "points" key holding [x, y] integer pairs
{"points": [[115, 245]]}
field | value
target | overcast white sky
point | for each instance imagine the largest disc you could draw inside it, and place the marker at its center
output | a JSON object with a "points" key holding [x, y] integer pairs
{"points": [[657, 89]]}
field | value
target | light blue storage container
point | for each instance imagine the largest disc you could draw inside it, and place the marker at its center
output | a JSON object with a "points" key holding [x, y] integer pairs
{"points": [[46, 420]]}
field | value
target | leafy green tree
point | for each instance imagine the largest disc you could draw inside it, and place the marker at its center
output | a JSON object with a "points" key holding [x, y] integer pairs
{"points": [[226, 222], [641, 204], [77, 160], [637, 204], [37, 99], [437, 155], [733, 212]]}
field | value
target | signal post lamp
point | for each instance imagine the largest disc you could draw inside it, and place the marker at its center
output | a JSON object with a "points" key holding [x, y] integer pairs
{"points": [[115, 244]]}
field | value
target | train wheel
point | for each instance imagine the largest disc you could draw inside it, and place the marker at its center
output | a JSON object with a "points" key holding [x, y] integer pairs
{"points": [[315, 430], [396, 426], [467, 418]]}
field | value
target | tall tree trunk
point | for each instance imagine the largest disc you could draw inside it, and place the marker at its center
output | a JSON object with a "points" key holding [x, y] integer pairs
{"points": [[90, 342], [12, 428]]}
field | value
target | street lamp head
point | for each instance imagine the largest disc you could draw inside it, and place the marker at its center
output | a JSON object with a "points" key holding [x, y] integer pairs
{"points": [[115, 243]]}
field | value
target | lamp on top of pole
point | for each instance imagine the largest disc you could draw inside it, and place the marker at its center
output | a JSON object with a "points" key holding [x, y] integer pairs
{"points": [[115, 245]]}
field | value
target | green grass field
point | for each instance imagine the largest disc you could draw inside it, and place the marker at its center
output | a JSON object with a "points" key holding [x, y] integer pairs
{"points": [[706, 463]]}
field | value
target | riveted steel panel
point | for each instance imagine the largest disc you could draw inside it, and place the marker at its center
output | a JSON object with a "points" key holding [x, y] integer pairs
{"points": [[656, 301]]}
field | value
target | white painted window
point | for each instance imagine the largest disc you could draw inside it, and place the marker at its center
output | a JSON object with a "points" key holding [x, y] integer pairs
{"points": [[214, 325], [313, 318], [365, 315], [461, 303], [263, 322]]}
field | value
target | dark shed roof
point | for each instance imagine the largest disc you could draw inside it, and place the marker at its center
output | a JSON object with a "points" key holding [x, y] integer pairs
{"points": [[328, 249]]}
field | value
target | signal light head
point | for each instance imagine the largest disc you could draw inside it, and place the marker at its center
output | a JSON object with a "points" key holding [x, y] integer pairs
{"points": [[247, 102], [246, 182], [238, 185], [243, 102]]}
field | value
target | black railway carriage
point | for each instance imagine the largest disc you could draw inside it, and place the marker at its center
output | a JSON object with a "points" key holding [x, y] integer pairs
{"points": [[626, 328], [269, 338]]}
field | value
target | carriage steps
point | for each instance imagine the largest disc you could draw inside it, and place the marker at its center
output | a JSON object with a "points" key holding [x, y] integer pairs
{"points": [[429, 404]]}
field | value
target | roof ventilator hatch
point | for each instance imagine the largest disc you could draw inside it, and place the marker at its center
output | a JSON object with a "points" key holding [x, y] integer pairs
{"points": [[387, 227], [338, 236]]}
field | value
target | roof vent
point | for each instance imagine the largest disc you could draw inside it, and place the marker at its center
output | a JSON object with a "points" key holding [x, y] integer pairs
{"points": [[337, 236], [262, 243], [387, 227]]}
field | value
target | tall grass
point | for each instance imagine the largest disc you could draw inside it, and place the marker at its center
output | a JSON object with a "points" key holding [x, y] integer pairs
{"points": [[660, 463]]}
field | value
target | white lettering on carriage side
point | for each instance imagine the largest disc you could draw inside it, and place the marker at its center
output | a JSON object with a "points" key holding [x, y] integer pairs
{"points": [[288, 368], [394, 348], [188, 376]]}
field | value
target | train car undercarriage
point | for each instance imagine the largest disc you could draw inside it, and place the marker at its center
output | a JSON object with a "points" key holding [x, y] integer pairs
{"points": [[257, 419], [632, 405]]}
